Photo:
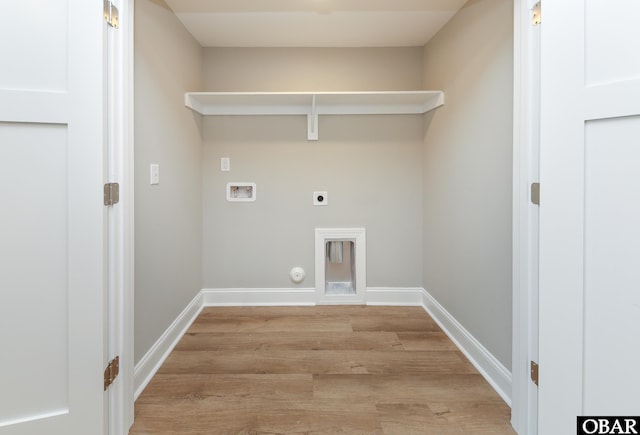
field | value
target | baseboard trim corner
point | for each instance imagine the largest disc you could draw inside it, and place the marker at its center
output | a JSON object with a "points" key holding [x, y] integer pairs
{"points": [[496, 374], [149, 364]]}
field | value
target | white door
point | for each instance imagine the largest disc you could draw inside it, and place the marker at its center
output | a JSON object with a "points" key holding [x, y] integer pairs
{"points": [[590, 212], [52, 267]]}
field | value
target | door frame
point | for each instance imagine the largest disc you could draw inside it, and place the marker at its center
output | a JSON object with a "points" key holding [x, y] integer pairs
{"points": [[524, 226], [524, 417], [120, 300]]}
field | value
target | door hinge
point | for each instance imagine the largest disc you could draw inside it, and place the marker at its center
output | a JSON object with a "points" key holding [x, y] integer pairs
{"points": [[536, 14], [535, 193], [111, 15], [534, 372], [111, 372], [111, 193]]}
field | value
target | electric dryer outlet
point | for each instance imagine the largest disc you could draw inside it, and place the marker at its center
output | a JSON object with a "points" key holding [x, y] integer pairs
{"points": [[320, 198]]}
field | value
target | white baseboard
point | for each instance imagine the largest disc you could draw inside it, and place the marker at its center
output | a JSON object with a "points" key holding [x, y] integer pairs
{"points": [[394, 296], [239, 297], [489, 367], [147, 367], [234, 297]]}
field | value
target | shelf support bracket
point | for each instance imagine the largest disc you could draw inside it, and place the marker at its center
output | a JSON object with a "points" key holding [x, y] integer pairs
{"points": [[312, 121]]}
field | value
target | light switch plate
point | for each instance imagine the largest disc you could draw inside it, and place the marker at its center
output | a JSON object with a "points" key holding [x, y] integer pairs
{"points": [[225, 164], [154, 172]]}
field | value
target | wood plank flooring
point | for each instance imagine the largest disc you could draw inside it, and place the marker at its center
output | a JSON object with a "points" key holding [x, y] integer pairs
{"points": [[318, 370]]}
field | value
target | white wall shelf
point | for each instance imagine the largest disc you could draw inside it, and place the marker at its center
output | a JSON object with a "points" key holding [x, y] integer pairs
{"points": [[313, 104]]}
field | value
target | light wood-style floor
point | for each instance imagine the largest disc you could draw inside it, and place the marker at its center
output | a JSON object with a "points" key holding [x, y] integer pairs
{"points": [[318, 370]]}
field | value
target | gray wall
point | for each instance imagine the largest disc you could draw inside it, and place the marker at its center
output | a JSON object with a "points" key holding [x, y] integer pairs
{"points": [[168, 217], [434, 191], [468, 172], [370, 165], [313, 69]]}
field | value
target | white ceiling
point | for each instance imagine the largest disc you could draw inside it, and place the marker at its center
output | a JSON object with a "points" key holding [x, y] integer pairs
{"points": [[314, 23]]}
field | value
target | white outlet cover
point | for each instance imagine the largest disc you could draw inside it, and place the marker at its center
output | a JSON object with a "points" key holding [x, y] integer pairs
{"points": [[320, 198], [225, 164], [154, 174]]}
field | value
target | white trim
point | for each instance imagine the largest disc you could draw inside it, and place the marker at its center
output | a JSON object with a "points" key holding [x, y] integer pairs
{"points": [[147, 367], [489, 367], [519, 346], [394, 296], [128, 228], [525, 170], [119, 124], [233, 297]]}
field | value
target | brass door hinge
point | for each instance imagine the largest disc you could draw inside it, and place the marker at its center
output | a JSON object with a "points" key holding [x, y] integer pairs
{"points": [[111, 372], [111, 193], [536, 14], [534, 372], [111, 14], [535, 193]]}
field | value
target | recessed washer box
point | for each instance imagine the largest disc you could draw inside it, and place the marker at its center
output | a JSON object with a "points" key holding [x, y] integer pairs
{"points": [[241, 192]]}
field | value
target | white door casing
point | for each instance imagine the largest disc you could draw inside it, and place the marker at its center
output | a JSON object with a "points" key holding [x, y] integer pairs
{"points": [[119, 218], [525, 213], [589, 212], [52, 279]]}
